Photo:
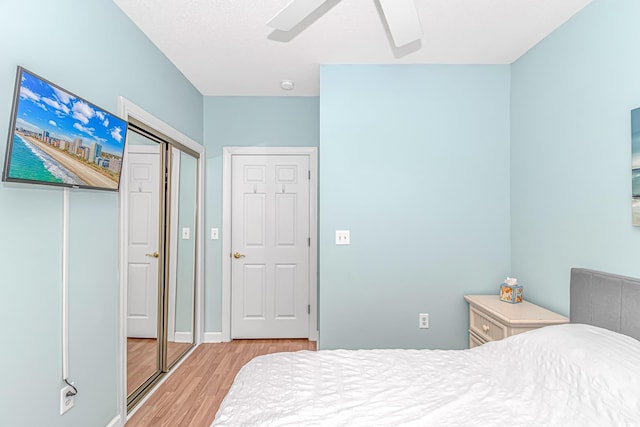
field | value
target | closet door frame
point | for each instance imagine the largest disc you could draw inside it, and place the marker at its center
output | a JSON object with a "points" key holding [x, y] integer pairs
{"points": [[128, 109]]}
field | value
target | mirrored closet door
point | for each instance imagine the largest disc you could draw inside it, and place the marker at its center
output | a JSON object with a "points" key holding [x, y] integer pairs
{"points": [[144, 265], [181, 298], [161, 234]]}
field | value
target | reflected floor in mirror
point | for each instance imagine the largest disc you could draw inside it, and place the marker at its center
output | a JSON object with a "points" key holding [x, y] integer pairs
{"points": [[142, 359], [192, 394]]}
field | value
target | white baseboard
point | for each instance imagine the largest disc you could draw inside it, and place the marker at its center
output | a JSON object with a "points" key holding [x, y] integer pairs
{"points": [[216, 337], [115, 422], [183, 337], [213, 337]]}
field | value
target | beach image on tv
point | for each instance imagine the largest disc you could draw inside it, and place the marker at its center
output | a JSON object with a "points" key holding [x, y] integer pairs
{"points": [[59, 138]]}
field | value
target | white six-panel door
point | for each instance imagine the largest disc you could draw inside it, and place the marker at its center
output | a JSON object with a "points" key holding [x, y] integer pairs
{"points": [[270, 246], [143, 241]]}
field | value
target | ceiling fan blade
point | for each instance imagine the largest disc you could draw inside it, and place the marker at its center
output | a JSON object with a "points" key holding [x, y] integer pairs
{"points": [[293, 14], [402, 20]]}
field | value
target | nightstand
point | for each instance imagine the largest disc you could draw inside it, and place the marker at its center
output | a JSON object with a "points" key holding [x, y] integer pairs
{"points": [[491, 319]]}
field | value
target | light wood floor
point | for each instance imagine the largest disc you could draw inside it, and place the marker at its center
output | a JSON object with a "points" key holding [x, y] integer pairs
{"points": [[142, 359], [190, 397]]}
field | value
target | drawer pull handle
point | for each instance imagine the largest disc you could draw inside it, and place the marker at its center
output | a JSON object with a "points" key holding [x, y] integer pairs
{"points": [[485, 328]]}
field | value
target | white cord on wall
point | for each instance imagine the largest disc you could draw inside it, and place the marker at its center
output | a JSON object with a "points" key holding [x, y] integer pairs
{"points": [[65, 286]]}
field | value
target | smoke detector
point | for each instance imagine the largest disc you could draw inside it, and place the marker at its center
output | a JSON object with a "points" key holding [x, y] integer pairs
{"points": [[286, 84]]}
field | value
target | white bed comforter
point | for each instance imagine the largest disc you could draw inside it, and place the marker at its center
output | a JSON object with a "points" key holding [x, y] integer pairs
{"points": [[567, 375]]}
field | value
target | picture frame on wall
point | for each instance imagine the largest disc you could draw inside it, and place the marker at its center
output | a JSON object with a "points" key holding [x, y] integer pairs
{"points": [[635, 167]]}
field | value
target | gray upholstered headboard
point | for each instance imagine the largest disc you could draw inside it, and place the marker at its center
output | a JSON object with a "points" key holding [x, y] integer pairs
{"points": [[605, 300]]}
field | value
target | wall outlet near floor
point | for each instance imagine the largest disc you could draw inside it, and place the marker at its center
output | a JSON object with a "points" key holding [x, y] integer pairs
{"points": [[423, 320], [66, 399]]}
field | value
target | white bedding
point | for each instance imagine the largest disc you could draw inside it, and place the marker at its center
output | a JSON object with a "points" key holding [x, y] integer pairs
{"points": [[565, 375]]}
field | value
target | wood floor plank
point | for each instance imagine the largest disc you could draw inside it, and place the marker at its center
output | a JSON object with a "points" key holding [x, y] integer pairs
{"points": [[192, 394]]}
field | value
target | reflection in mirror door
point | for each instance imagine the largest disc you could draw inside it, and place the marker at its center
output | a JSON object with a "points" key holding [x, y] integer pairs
{"points": [[144, 261], [182, 238], [161, 261], [161, 266]]}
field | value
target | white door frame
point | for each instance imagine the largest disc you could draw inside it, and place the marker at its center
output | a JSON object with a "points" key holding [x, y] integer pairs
{"points": [[227, 154], [128, 109]]}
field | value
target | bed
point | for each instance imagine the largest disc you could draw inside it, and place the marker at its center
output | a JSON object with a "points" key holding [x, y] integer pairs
{"points": [[586, 373]]}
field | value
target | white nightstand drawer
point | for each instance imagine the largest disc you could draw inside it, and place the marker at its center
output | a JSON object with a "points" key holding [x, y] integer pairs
{"points": [[474, 340], [485, 326]]}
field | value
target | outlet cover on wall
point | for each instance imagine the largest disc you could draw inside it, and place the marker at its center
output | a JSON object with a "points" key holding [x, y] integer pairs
{"points": [[343, 237], [66, 399], [423, 321]]}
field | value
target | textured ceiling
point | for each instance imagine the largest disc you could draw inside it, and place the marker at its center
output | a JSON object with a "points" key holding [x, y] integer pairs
{"points": [[224, 47]]}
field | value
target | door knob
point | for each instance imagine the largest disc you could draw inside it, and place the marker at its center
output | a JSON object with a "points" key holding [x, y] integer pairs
{"points": [[155, 254], [238, 255]]}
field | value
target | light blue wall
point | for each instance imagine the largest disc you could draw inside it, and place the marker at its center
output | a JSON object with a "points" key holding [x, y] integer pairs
{"points": [[245, 121], [414, 160], [571, 152], [92, 49]]}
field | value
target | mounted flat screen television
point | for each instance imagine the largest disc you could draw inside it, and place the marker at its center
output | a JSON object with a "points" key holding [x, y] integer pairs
{"points": [[58, 138]]}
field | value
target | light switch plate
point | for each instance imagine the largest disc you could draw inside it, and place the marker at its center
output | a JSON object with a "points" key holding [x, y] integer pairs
{"points": [[186, 233], [214, 234], [343, 237]]}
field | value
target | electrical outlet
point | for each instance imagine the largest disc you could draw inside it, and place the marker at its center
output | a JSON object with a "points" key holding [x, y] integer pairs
{"points": [[66, 399], [343, 237], [423, 320]]}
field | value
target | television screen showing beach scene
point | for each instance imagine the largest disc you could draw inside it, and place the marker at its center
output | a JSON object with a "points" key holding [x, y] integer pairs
{"points": [[58, 138]]}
